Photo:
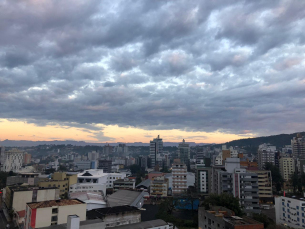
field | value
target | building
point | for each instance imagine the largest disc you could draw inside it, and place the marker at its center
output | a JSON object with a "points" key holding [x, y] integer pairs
{"points": [[116, 216], [12, 160], [126, 198], [15, 198], [287, 167], [155, 149], [179, 171], [290, 211], [125, 183], [159, 186], [153, 174], [93, 200], [221, 217], [142, 162], [122, 149], [23, 178], [92, 156], [84, 165], [60, 180], [237, 181], [152, 224], [264, 183], [190, 179], [203, 180], [95, 180], [265, 154], [105, 165], [184, 152], [298, 146], [107, 150], [27, 158], [53, 212], [144, 185]]}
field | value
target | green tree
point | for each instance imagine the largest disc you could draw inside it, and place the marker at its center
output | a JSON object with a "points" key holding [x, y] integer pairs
{"points": [[277, 178], [225, 200], [265, 220]]}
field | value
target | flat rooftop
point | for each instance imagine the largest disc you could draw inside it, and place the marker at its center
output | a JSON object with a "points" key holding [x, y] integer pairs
{"points": [[236, 220], [102, 212], [20, 188], [53, 203]]}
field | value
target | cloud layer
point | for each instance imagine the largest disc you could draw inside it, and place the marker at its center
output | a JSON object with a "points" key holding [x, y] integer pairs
{"points": [[233, 66]]}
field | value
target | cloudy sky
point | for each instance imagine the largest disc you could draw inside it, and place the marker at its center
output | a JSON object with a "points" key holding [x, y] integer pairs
{"points": [[125, 71]]}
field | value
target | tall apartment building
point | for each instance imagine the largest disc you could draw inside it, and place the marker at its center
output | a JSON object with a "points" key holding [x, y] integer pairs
{"points": [[155, 149], [105, 165], [203, 180], [92, 156], [184, 152], [237, 181], [122, 149], [107, 149], [264, 183], [27, 158], [290, 211], [298, 146], [12, 160], [53, 212], [159, 186], [287, 167], [265, 153], [179, 171], [2, 157]]}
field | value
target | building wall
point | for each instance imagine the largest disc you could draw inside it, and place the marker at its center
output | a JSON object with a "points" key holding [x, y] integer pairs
{"points": [[264, 183], [62, 185], [47, 194], [20, 199], [13, 160], [64, 211], [43, 217], [287, 167], [122, 219], [290, 211], [179, 172]]}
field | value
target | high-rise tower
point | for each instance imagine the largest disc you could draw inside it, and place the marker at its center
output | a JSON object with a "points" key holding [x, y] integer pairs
{"points": [[156, 148]]}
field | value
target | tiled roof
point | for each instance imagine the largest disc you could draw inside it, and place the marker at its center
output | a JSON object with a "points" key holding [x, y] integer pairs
{"points": [[52, 203]]}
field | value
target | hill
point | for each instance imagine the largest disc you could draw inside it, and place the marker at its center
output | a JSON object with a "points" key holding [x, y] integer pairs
{"points": [[276, 140]]}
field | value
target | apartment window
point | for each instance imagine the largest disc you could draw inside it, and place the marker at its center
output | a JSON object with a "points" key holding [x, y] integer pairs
{"points": [[54, 210], [54, 218]]}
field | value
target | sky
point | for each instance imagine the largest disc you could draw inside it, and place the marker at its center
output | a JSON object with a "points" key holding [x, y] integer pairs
{"points": [[209, 71]]}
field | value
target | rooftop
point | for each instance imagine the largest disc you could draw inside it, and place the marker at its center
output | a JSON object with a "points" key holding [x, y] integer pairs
{"points": [[101, 212], [145, 183], [20, 188], [235, 220], [145, 224], [53, 203], [123, 197]]}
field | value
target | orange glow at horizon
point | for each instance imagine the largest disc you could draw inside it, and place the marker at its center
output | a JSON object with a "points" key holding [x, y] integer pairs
{"points": [[20, 130]]}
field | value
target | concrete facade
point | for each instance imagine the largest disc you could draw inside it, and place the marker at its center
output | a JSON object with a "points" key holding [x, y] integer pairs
{"points": [[287, 167], [179, 171], [47, 213], [12, 160], [290, 211], [155, 149]]}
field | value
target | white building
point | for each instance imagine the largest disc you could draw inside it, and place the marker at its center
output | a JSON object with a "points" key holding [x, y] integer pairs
{"points": [[95, 180], [12, 160], [218, 159], [290, 211], [287, 167]]}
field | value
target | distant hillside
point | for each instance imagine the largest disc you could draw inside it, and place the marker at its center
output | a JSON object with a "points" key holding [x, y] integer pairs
{"points": [[276, 140]]}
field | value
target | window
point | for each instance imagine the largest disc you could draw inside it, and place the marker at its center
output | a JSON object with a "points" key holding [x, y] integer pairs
{"points": [[54, 218], [54, 210]]}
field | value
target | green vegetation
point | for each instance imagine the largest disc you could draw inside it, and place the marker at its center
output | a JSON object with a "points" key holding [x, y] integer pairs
{"points": [[268, 223], [225, 200], [276, 140], [277, 178], [297, 181], [165, 212]]}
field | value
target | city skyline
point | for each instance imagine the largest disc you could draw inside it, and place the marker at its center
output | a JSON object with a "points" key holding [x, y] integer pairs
{"points": [[127, 71]]}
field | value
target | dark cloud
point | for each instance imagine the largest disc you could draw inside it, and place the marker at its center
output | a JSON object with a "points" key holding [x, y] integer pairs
{"points": [[235, 67]]}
